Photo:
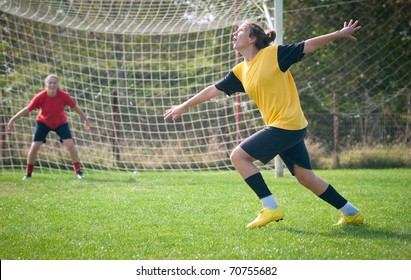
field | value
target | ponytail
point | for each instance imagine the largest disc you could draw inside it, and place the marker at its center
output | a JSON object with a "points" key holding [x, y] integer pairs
{"points": [[264, 38]]}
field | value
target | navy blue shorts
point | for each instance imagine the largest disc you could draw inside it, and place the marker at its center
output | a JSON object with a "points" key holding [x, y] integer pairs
{"points": [[271, 141], [41, 130]]}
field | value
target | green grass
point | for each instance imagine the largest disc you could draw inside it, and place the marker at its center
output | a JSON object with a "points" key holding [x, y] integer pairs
{"points": [[199, 215]]}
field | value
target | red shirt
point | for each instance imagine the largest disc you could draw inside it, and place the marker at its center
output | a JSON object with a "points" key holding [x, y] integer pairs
{"points": [[51, 108]]}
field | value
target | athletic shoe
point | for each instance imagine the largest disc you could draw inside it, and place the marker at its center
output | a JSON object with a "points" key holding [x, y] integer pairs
{"points": [[27, 176], [266, 216], [80, 175], [357, 219]]}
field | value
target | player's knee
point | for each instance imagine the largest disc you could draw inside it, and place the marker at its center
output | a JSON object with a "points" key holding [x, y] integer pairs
{"points": [[239, 156], [306, 179], [232, 157], [301, 179], [235, 156], [70, 145], [35, 146]]}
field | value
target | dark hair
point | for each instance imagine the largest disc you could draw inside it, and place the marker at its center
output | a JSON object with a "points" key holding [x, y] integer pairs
{"points": [[264, 38]]}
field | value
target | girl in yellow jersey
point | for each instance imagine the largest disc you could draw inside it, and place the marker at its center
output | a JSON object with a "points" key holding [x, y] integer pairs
{"points": [[265, 76]]}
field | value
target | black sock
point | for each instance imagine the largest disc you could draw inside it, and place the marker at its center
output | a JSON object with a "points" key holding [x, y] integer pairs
{"points": [[332, 197], [258, 185]]}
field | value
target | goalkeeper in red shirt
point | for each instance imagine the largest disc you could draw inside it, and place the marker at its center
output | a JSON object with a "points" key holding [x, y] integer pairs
{"points": [[51, 103]]}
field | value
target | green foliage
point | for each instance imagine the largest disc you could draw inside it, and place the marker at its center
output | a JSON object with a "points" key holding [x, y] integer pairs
{"points": [[187, 216], [357, 72]]}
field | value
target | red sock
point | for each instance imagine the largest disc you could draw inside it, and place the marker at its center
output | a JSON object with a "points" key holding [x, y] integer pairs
{"points": [[29, 169], [76, 166]]}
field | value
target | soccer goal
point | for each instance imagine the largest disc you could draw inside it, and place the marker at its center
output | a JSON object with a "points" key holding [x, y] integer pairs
{"points": [[124, 63]]}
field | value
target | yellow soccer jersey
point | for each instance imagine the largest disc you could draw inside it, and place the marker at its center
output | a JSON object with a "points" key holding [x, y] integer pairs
{"points": [[268, 81]]}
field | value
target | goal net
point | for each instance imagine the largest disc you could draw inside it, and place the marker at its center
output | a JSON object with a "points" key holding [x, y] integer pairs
{"points": [[124, 63]]}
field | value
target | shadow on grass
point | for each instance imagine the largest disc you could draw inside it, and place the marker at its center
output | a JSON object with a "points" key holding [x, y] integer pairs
{"points": [[89, 179], [109, 180], [359, 231]]}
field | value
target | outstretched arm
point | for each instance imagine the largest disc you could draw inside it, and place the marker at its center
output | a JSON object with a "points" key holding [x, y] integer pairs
{"points": [[83, 116], [206, 94], [21, 113], [345, 32]]}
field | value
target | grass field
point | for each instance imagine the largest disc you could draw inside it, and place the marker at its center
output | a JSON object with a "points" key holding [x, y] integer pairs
{"points": [[199, 215]]}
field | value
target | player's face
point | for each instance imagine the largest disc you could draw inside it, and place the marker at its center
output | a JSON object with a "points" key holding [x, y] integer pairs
{"points": [[241, 38], [52, 84]]}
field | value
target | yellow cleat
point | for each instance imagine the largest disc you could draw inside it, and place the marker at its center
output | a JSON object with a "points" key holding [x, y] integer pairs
{"points": [[266, 216], [357, 219]]}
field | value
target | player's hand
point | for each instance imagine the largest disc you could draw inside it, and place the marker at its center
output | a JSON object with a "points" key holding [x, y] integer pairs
{"points": [[10, 126], [348, 29], [87, 125], [174, 113]]}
